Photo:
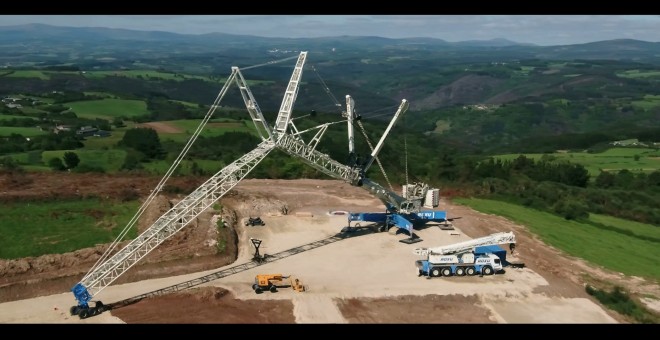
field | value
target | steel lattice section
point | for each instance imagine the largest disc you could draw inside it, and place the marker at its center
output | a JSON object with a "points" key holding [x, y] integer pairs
{"points": [[176, 218]]}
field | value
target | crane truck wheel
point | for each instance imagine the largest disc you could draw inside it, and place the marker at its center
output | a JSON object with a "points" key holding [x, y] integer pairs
{"points": [[470, 271], [435, 272], [74, 310], [460, 271], [446, 272], [273, 289], [84, 313], [487, 270]]}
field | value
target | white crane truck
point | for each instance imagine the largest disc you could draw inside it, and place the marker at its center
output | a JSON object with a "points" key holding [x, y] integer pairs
{"points": [[465, 258]]}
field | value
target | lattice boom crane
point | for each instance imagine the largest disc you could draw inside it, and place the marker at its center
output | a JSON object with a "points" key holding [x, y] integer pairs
{"points": [[110, 267]]}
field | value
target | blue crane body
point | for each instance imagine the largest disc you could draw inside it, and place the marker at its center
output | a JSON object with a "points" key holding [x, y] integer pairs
{"points": [[400, 212], [402, 221]]}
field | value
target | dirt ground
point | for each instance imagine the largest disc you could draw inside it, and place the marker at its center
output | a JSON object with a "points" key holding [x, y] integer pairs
{"points": [[363, 279], [216, 301], [424, 309], [162, 127]]}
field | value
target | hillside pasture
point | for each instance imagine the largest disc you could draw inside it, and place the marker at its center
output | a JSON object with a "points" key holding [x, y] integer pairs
{"points": [[10, 117], [109, 108], [160, 167], [29, 74], [23, 131], [649, 102], [38, 228], [611, 249], [639, 74], [613, 159], [109, 160], [181, 130]]}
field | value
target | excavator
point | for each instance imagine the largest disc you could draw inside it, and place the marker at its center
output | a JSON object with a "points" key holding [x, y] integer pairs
{"points": [[271, 282]]}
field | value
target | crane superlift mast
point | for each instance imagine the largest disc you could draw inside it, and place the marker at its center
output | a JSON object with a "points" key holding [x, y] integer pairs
{"points": [[284, 135]]}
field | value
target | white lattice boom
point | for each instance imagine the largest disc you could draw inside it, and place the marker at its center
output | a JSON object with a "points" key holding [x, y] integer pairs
{"points": [[317, 160], [176, 218], [284, 115]]}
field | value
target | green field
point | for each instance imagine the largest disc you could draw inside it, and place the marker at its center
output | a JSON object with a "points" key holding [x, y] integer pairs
{"points": [[32, 157], [188, 104], [29, 74], [33, 229], [649, 102], [110, 141], [110, 160], [614, 250], [109, 108], [31, 110], [38, 168], [613, 159], [24, 131], [135, 74], [639, 229], [160, 75], [9, 117], [212, 128], [638, 74], [95, 143], [144, 74], [100, 94], [160, 167]]}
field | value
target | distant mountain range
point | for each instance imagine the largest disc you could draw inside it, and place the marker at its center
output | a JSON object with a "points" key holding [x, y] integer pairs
{"points": [[30, 32], [48, 36]]}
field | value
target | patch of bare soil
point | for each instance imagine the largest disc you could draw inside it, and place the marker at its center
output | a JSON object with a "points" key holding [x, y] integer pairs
{"points": [[162, 127], [470, 89], [206, 305], [421, 309], [47, 186]]}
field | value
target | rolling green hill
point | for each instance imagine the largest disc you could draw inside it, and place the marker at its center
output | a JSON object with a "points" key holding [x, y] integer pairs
{"points": [[633, 159], [109, 108]]}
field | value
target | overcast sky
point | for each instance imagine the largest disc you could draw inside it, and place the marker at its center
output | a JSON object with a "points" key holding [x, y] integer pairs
{"points": [[537, 29]]}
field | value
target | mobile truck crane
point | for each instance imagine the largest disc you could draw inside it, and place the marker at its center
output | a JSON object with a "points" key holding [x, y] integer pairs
{"points": [[471, 257]]}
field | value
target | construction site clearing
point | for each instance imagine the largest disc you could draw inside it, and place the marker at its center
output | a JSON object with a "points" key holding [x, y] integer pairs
{"points": [[351, 239], [363, 278]]}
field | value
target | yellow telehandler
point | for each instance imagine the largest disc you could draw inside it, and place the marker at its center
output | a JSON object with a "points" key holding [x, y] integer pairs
{"points": [[271, 282]]}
